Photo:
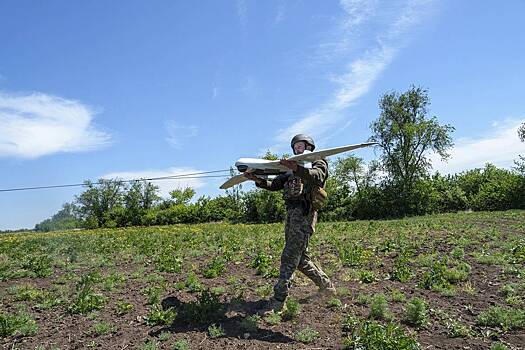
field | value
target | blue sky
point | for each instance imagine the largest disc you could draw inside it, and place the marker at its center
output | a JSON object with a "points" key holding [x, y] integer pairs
{"points": [[92, 89]]}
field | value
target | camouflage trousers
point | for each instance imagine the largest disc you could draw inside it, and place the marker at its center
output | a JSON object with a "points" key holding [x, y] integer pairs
{"points": [[298, 229]]}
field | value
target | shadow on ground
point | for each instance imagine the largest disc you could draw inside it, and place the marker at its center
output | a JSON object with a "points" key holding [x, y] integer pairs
{"points": [[229, 317]]}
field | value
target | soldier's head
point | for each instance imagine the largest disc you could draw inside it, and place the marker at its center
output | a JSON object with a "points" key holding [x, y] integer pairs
{"points": [[302, 142]]}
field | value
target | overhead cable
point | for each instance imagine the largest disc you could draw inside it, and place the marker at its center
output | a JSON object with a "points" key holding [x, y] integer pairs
{"points": [[197, 175]]}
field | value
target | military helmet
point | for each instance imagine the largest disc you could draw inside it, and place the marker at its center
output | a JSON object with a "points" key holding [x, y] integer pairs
{"points": [[305, 138]]}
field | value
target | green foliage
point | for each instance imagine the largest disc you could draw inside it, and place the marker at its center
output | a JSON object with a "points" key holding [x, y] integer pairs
{"points": [[401, 271], [215, 267], [65, 219], [498, 346], [506, 319], [306, 335], [406, 135], [379, 307], [366, 276], [181, 344], [158, 316], [86, 299], [193, 283], [102, 328], [216, 331], [292, 309], [374, 335], [273, 318], [123, 307], [354, 254], [205, 310], [333, 302], [20, 324], [416, 313], [249, 323], [264, 264]]}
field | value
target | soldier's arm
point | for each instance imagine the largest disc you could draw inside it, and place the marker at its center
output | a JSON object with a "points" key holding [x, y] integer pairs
{"points": [[317, 174], [273, 185]]}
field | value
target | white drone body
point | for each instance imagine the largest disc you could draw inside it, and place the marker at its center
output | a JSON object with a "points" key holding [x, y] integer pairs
{"points": [[265, 168]]}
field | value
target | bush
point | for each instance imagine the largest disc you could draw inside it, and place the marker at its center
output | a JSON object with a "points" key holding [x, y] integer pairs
{"points": [[416, 313], [374, 335]]}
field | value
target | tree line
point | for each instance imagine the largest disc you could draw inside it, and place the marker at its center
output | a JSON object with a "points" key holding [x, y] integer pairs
{"points": [[399, 183]]}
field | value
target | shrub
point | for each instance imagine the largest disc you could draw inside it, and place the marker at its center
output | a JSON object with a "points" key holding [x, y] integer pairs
{"points": [[249, 324], [306, 335], [291, 309], [506, 319], [205, 310], [416, 313], [378, 307], [20, 324], [158, 316], [373, 335], [216, 331], [214, 268]]}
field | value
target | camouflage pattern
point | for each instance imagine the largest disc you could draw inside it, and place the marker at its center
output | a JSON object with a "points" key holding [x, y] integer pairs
{"points": [[299, 226]]}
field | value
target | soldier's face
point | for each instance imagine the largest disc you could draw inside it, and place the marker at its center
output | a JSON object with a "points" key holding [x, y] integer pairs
{"points": [[299, 147]]}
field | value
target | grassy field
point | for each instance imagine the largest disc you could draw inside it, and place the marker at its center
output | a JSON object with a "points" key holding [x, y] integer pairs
{"points": [[454, 281]]}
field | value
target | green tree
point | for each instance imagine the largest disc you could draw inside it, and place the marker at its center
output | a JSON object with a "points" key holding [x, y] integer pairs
{"points": [[140, 197], [182, 195], [406, 135], [97, 202], [65, 219], [520, 163]]}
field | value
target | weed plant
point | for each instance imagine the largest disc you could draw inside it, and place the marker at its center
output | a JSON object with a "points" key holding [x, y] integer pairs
{"points": [[21, 324], [374, 335], [103, 328], [181, 344], [504, 318], [273, 319], [123, 307], [216, 331], [416, 313], [306, 335], [158, 316], [249, 324], [206, 309], [291, 309], [379, 307]]}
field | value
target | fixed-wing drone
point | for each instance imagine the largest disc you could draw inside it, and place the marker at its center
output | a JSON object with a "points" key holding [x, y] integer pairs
{"points": [[264, 168]]}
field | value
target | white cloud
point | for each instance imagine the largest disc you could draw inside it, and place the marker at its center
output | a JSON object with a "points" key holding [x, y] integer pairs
{"points": [[360, 73], [165, 186], [37, 124], [501, 147], [177, 134]]}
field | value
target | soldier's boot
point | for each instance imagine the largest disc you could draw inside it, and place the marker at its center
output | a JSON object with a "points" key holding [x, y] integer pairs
{"points": [[327, 291], [273, 306]]}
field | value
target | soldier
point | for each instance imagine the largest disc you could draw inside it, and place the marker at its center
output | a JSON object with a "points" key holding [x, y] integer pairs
{"points": [[297, 185]]}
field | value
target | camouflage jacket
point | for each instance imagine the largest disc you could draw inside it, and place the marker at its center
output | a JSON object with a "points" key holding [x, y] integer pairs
{"points": [[298, 186]]}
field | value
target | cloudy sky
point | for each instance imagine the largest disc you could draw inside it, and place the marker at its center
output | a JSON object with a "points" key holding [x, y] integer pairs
{"points": [[134, 89]]}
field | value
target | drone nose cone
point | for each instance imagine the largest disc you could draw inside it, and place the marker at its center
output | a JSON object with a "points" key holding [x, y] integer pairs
{"points": [[242, 168]]}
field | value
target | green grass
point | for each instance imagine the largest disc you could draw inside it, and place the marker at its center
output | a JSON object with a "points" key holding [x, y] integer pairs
{"points": [[104, 273]]}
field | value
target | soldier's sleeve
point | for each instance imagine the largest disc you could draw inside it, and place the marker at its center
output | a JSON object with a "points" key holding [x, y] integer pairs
{"points": [[273, 185], [317, 174]]}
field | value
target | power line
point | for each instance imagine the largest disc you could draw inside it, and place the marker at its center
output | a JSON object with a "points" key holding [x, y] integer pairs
{"points": [[198, 175]]}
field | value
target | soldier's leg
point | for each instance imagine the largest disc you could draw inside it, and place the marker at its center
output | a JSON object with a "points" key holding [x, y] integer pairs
{"points": [[296, 242], [314, 272], [309, 268]]}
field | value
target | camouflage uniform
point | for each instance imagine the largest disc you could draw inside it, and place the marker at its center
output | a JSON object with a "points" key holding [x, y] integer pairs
{"points": [[299, 226]]}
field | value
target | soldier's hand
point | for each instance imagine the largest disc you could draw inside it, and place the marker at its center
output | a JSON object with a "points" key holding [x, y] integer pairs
{"points": [[251, 176], [290, 164]]}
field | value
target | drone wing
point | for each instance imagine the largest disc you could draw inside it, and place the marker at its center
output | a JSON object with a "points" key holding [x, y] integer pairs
{"points": [[232, 181], [316, 155]]}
